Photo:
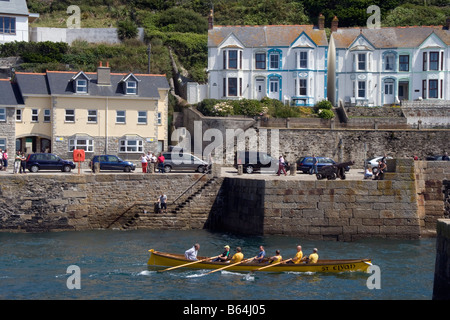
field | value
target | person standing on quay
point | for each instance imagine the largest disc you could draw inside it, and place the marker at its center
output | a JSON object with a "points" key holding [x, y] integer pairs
{"points": [[314, 165], [163, 202], [161, 160], [144, 163], [281, 165]]}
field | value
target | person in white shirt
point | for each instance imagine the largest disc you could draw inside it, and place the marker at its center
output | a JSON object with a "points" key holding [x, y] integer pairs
{"points": [[191, 254]]}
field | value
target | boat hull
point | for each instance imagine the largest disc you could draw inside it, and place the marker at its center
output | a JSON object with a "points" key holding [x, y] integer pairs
{"points": [[159, 260]]}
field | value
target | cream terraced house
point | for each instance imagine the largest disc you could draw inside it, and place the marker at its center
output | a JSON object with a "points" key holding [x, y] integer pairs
{"points": [[283, 62], [375, 67], [101, 113]]}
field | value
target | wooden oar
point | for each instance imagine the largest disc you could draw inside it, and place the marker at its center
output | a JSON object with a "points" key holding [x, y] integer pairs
{"points": [[231, 265], [187, 264], [273, 264]]}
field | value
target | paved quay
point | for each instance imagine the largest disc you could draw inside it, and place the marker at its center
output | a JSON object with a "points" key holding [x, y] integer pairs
{"points": [[353, 174]]}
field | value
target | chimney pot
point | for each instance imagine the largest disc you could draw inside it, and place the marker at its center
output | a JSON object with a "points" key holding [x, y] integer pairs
{"points": [[321, 22], [210, 20], [334, 24]]}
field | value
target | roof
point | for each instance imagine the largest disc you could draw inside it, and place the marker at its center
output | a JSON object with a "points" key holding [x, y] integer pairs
{"points": [[266, 36], [60, 83], [10, 96], [390, 37], [18, 7]]}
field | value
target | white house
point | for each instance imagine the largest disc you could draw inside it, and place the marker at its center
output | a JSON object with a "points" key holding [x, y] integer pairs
{"points": [[14, 19], [374, 67], [284, 62]]}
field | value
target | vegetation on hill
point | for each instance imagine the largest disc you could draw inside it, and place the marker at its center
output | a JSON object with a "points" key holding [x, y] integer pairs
{"points": [[182, 25]]}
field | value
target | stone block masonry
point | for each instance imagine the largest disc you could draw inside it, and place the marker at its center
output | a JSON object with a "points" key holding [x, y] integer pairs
{"points": [[441, 288], [407, 204]]}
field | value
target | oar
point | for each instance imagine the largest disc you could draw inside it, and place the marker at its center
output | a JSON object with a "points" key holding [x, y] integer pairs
{"points": [[231, 265], [187, 264], [273, 264]]}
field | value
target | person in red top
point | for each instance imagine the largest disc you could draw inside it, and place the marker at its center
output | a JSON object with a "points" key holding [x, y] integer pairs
{"points": [[161, 160]]}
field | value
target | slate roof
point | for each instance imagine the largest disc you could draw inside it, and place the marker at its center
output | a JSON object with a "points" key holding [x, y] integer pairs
{"points": [[61, 83], [16, 7], [9, 94], [266, 36], [390, 37]]}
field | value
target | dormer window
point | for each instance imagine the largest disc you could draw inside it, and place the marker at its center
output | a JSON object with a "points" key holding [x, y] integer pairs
{"points": [[131, 87], [81, 86], [80, 82]]}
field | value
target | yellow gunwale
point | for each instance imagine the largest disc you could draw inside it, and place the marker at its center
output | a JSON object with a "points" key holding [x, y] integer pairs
{"points": [[160, 259]]}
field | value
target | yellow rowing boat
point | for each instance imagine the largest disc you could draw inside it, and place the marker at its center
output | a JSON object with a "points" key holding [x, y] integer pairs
{"points": [[160, 259]]}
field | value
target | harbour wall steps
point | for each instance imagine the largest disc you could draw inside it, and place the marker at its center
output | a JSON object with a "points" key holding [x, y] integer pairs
{"points": [[407, 204]]}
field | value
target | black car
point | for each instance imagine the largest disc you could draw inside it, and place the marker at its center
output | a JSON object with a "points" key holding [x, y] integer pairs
{"points": [[436, 158], [255, 161], [112, 162], [48, 161], [305, 164]]}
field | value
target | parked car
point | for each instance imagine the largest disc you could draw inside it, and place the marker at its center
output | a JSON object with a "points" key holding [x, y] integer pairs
{"points": [[305, 164], [48, 161], [183, 161], [435, 158], [255, 161], [111, 162], [373, 162]]}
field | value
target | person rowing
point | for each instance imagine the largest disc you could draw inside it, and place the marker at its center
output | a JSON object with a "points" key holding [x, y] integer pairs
{"points": [[238, 256], [276, 258], [298, 256], [225, 256], [261, 255], [312, 258]]}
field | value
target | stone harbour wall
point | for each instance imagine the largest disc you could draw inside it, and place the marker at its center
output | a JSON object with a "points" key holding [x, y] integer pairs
{"points": [[441, 287]]}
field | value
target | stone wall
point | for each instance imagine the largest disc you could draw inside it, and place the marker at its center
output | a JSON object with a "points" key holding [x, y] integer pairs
{"points": [[441, 287], [335, 209], [79, 202]]}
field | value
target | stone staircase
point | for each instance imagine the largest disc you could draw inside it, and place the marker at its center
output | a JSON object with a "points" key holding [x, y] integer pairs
{"points": [[191, 210]]}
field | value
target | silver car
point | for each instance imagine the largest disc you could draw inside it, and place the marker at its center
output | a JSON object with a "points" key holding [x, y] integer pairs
{"points": [[183, 161]]}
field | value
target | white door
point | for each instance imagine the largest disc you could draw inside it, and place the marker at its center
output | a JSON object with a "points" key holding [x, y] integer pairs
{"points": [[389, 92], [274, 88], [260, 85]]}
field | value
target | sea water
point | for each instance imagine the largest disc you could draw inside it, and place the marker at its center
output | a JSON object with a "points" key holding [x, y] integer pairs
{"points": [[113, 265]]}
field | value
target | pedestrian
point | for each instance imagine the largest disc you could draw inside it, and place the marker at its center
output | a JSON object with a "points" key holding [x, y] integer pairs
{"points": [[23, 162], [144, 163], [163, 202], [5, 160], [281, 165], [1, 159], [314, 165], [445, 157], [161, 160], [17, 162], [149, 160]]}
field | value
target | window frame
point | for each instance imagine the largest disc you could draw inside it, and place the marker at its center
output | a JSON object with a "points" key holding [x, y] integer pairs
{"points": [[127, 146], [119, 117], [142, 117], [403, 63], [303, 88], [130, 89], [91, 117], [305, 60], [12, 28], [75, 143], [67, 116], [47, 115], [79, 88], [360, 89], [34, 115], [433, 90], [259, 61]]}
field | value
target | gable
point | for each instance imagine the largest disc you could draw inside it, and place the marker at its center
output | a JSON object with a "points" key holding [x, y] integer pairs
{"points": [[361, 44], [231, 41], [432, 42], [303, 41]]}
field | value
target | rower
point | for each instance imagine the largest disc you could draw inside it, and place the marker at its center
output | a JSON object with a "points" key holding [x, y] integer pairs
{"points": [[261, 255], [298, 256], [224, 256], [276, 258], [238, 256], [313, 257]]}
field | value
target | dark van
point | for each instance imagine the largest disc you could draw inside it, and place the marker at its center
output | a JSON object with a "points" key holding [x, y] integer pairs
{"points": [[255, 161]]}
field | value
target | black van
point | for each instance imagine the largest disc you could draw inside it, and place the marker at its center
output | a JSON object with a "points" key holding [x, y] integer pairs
{"points": [[254, 161]]}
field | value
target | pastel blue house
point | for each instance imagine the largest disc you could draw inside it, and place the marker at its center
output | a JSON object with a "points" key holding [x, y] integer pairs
{"points": [[287, 63]]}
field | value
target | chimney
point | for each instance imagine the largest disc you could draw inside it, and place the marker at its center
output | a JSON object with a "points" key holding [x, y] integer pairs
{"points": [[334, 24], [210, 20], [104, 74], [321, 22]]}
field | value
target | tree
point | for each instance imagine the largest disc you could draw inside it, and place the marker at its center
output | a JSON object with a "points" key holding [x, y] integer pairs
{"points": [[127, 29]]}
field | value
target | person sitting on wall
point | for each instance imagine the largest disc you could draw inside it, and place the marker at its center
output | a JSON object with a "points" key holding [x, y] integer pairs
{"points": [[381, 169], [368, 174]]}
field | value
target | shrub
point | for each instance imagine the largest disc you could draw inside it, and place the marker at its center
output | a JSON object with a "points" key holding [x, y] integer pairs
{"points": [[326, 114], [215, 108], [323, 105], [127, 29]]}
